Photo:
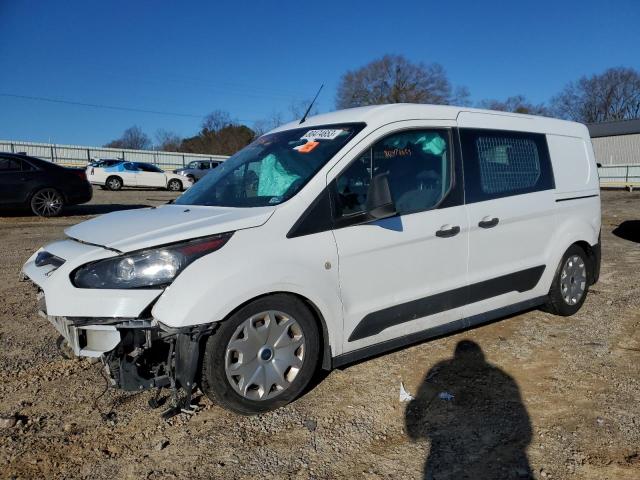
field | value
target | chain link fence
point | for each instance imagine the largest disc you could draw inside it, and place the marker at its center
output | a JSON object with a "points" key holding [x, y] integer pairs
{"points": [[80, 156]]}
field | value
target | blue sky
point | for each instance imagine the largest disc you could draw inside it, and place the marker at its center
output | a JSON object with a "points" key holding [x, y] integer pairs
{"points": [[254, 58]]}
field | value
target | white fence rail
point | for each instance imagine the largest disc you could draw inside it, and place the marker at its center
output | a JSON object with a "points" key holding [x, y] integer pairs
{"points": [[619, 176], [77, 155]]}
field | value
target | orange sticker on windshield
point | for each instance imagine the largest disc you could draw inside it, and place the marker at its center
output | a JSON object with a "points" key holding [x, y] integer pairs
{"points": [[307, 147]]}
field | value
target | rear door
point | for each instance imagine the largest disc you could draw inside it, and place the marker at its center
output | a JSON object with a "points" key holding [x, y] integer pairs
{"points": [[150, 176], [17, 179], [129, 173], [406, 274], [510, 205], [11, 184]]}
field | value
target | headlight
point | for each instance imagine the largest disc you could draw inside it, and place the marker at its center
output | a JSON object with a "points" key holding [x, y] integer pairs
{"points": [[147, 268]]}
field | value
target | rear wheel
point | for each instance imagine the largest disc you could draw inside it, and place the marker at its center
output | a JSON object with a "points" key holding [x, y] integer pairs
{"points": [[114, 183], [47, 202], [263, 356], [571, 283], [174, 185]]}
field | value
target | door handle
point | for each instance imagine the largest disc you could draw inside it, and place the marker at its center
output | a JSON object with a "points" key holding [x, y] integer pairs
{"points": [[488, 222], [448, 231]]}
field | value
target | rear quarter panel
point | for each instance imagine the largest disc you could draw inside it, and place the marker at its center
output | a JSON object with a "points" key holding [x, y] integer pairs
{"points": [[578, 210]]}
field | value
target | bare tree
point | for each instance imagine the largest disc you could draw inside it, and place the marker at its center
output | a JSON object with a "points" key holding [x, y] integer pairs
{"points": [[133, 138], [516, 104], [167, 141], [394, 79], [297, 109], [220, 135], [461, 97], [611, 95], [216, 121], [274, 120]]}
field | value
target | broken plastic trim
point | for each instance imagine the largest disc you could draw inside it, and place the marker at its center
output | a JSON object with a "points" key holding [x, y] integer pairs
{"points": [[159, 357]]}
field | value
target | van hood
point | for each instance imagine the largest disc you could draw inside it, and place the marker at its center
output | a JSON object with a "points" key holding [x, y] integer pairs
{"points": [[130, 230]]}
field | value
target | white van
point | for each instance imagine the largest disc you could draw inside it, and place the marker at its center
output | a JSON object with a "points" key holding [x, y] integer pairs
{"points": [[326, 242]]}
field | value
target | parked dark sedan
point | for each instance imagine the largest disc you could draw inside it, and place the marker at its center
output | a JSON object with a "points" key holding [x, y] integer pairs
{"points": [[43, 187]]}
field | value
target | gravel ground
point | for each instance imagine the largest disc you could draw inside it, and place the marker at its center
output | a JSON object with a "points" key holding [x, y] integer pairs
{"points": [[534, 396]]}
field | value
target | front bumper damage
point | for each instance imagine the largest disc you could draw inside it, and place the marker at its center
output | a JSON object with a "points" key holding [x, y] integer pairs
{"points": [[138, 353]]}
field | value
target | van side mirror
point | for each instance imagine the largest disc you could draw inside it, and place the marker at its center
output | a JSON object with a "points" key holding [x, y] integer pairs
{"points": [[599, 165], [379, 202]]}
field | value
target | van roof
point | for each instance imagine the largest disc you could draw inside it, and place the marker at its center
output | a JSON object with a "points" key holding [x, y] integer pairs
{"points": [[377, 115]]}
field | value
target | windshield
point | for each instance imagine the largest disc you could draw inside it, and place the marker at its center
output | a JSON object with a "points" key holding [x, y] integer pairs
{"points": [[270, 170]]}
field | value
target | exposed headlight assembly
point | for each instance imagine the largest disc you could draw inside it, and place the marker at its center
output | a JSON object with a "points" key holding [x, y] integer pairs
{"points": [[154, 267]]}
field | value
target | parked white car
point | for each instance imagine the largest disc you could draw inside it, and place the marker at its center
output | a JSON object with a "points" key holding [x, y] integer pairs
{"points": [[136, 174], [327, 242]]}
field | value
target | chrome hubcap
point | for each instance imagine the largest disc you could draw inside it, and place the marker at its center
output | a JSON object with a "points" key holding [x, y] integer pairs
{"points": [[47, 202], [264, 355], [573, 280], [174, 186], [114, 183]]}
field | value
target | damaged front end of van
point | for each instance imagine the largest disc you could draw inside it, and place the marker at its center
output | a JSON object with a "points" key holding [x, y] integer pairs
{"points": [[100, 300]]}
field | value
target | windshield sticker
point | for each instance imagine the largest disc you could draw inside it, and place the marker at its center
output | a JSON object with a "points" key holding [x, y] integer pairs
{"points": [[307, 147], [324, 134]]}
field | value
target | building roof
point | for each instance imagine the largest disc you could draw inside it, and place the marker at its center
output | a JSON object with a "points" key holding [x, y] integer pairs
{"points": [[614, 128]]}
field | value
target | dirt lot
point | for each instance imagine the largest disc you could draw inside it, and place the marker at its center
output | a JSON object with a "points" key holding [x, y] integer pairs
{"points": [[558, 397]]}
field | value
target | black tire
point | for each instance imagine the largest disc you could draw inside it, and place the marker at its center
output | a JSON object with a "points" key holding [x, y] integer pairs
{"points": [[174, 185], [218, 387], [114, 183], [47, 202], [557, 303]]}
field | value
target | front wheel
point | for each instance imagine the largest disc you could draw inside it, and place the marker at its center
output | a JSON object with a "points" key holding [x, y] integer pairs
{"points": [[174, 185], [263, 356], [570, 285], [47, 202]]}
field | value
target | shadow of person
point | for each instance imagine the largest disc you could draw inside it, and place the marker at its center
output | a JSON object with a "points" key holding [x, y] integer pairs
{"points": [[473, 416], [628, 230]]}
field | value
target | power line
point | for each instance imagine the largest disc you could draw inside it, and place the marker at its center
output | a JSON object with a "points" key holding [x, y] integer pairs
{"points": [[98, 105]]}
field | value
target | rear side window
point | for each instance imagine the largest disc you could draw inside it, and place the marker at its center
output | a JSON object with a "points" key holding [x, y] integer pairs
{"points": [[10, 165], [500, 164]]}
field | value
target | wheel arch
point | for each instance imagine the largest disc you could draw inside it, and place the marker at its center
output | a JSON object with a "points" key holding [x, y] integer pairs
{"points": [[325, 346], [35, 190], [114, 176], [593, 259], [174, 180]]}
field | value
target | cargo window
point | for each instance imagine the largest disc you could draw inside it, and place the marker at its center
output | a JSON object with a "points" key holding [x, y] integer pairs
{"points": [[499, 164]]}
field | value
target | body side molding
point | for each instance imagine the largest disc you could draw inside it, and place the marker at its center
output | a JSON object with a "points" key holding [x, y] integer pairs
{"points": [[376, 322], [440, 330], [576, 198]]}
